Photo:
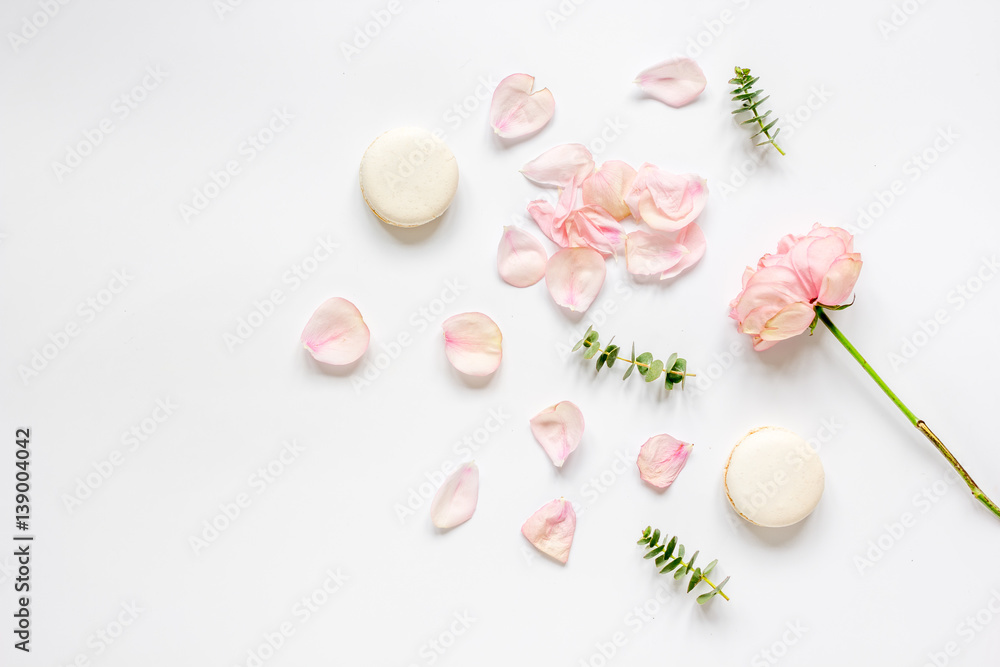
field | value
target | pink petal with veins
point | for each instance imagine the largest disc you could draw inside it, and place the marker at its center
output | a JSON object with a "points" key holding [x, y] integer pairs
{"points": [[472, 342], [575, 276], [675, 82], [608, 186], [661, 459], [455, 502], [560, 166], [336, 333], [551, 529], [521, 258], [664, 253], [593, 227], [516, 111], [558, 429]]}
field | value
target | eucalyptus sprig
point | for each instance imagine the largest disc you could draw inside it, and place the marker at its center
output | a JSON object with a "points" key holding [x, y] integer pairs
{"points": [[666, 556], [649, 368], [747, 97]]}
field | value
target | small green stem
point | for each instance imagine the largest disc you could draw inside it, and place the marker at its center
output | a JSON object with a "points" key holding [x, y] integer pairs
{"points": [[639, 363], [918, 423]]}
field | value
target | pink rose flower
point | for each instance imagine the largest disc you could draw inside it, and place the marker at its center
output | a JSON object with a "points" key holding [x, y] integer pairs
{"points": [[780, 296]]}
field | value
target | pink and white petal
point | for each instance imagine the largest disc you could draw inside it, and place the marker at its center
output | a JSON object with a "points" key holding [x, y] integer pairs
{"points": [[790, 321], [575, 276], [838, 283], [561, 166], [593, 227], [672, 201], [637, 188], [456, 499], [552, 219], [692, 238], [472, 342], [676, 82], [608, 186], [521, 258], [759, 344], [558, 429], [336, 333], [551, 529], [661, 459], [516, 111], [648, 254]]}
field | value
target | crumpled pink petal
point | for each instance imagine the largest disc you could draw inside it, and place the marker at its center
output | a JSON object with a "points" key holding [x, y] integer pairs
{"points": [[516, 111], [575, 276], [336, 333], [455, 502], [665, 201], [692, 238], [551, 529], [472, 342], [561, 166], [552, 219], [521, 258], [676, 82], [608, 186], [593, 227], [661, 459], [558, 429], [665, 253]]}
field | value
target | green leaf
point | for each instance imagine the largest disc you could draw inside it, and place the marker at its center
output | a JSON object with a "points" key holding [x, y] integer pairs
{"points": [[671, 360], [656, 536], [591, 351], [690, 564], [705, 597], [654, 552], [695, 580], [612, 351], [671, 565], [711, 566], [679, 574], [671, 546], [680, 551], [654, 371], [578, 345], [660, 559], [628, 372], [719, 587], [601, 360], [643, 361]]}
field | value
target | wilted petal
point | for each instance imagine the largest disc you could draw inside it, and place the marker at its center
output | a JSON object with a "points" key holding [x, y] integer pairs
{"points": [[551, 529], [516, 111], [336, 333], [593, 227], [575, 276], [520, 258], [560, 166], [648, 254], [472, 343], [661, 459], [558, 429], [608, 186], [455, 502], [675, 82]]}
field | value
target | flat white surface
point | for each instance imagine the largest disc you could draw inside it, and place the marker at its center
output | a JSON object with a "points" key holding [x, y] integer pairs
{"points": [[878, 103]]}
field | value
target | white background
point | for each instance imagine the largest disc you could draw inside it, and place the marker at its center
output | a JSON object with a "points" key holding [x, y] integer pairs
{"points": [[885, 98]]}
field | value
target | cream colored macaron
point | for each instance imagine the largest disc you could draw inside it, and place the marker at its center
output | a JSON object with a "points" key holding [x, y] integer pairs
{"points": [[408, 177], [773, 477]]}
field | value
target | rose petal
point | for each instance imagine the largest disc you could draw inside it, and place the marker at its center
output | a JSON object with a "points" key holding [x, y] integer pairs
{"points": [[675, 82], [692, 238], [560, 166], [551, 529], [608, 186], [336, 333], [552, 219], [520, 258], [593, 227], [575, 276], [515, 111], [661, 459], [455, 502], [669, 202], [647, 254], [558, 429], [790, 321], [472, 342], [838, 283]]}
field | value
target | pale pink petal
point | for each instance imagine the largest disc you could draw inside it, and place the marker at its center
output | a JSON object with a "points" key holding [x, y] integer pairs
{"points": [[552, 219], [472, 342], [336, 333], [669, 202], [608, 186], [692, 238], [520, 258], [551, 529], [455, 502], [675, 82], [839, 281], [661, 459], [593, 227], [790, 321], [558, 429], [575, 276], [516, 111], [648, 254], [561, 166]]}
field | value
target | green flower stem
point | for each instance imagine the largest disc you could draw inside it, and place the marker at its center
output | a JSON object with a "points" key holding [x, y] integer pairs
{"points": [[639, 363], [709, 582], [918, 423]]}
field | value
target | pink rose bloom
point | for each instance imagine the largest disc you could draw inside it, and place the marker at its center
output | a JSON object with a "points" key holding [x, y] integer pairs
{"points": [[780, 296]]}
